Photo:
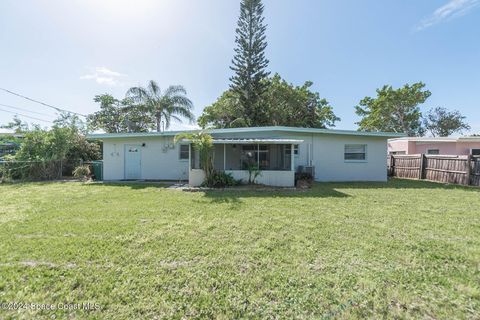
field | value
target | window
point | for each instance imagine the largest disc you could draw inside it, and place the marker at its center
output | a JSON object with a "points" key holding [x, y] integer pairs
{"points": [[475, 152], [288, 149], [252, 153], [433, 151], [355, 152], [398, 152], [184, 152]]}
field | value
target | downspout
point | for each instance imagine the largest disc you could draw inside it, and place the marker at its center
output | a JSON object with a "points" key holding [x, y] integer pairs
{"points": [[189, 161], [311, 153], [224, 156], [292, 158], [258, 156]]}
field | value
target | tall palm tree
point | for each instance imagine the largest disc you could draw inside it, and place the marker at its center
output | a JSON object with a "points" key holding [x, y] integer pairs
{"points": [[163, 105]]}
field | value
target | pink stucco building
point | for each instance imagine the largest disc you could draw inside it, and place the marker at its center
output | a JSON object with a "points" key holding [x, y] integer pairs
{"points": [[444, 146]]}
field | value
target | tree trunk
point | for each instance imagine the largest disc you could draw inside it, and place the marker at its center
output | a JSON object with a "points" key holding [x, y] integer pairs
{"points": [[159, 120]]}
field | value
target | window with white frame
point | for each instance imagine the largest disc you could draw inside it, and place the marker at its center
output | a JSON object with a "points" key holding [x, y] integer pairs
{"points": [[433, 151], [288, 149], [355, 152], [183, 153], [475, 152]]}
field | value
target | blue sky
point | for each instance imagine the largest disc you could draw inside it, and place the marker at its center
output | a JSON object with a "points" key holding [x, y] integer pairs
{"points": [[66, 52]]}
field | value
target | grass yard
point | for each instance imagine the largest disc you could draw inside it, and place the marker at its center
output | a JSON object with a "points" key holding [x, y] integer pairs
{"points": [[406, 249]]}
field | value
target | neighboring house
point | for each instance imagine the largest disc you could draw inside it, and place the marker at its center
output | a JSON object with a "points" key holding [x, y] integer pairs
{"points": [[9, 144], [7, 148], [443, 146], [330, 155]]}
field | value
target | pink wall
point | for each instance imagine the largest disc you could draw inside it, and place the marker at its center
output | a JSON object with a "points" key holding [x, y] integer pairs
{"points": [[447, 148], [401, 145], [464, 147]]}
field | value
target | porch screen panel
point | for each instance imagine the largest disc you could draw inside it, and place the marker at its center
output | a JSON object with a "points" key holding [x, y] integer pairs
{"points": [[272, 157]]}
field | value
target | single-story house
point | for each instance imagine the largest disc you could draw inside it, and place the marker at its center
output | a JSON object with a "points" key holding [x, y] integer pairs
{"points": [[444, 146], [329, 155]]}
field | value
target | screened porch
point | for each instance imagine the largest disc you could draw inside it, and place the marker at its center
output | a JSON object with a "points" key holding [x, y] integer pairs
{"points": [[274, 157]]}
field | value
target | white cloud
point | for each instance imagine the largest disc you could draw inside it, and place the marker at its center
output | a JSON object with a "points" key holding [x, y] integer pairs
{"points": [[104, 76], [451, 10]]}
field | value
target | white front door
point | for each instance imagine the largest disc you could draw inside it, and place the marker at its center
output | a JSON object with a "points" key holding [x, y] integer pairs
{"points": [[133, 162]]}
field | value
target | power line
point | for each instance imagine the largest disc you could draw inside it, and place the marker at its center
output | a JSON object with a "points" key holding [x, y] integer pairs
{"points": [[22, 109], [24, 115], [42, 103]]}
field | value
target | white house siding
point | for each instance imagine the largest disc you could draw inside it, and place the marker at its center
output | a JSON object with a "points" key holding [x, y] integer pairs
{"points": [[269, 178], [326, 154], [330, 165], [196, 177], [159, 161]]}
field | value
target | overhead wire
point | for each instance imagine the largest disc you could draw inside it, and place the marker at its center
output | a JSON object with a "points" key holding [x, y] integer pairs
{"points": [[23, 109], [27, 116], [42, 103]]}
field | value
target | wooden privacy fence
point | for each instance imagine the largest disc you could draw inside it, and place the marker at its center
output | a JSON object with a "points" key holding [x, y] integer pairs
{"points": [[464, 170]]}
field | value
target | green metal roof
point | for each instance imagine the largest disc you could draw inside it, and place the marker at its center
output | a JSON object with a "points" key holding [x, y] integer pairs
{"points": [[256, 141], [102, 136]]}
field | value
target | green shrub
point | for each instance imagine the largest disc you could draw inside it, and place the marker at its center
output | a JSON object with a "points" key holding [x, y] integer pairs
{"points": [[220, 180], [303, 180], [3, 173], [304, 176], [253, 173], [82, 172]]}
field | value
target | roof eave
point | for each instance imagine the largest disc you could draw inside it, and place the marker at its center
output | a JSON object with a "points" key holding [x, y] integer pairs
{"points": [[250, 129]]}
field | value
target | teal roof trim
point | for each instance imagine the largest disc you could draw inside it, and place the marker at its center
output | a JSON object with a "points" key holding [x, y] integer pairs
{"points": [[249, 129]]}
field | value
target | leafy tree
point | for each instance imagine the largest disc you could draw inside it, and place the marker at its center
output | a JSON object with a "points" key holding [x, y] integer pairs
{"points": [[17, 125], [110, 118], [56, 144], [395, 110], [137, 117], [69, 120], [162, 106], [42, 152], [65, 140], [117, 116], [226, 112], [78, 145], [442, 123], [283, 105], [296, 106], [249, 62]]}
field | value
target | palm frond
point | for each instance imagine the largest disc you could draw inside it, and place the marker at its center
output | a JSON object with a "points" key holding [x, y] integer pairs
{"points": [[172, 104], [167, 122], [175, 90], [181, 101], [178, 119], [183, 136], [154, 89], [182, 112], [137, 94]]}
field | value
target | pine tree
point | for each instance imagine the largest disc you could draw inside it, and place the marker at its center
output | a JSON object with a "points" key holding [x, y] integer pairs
{"points": [[249, 62]]}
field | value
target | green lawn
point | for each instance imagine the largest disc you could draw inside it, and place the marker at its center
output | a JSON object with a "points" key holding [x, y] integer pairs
{"points": [[405, 249]]}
